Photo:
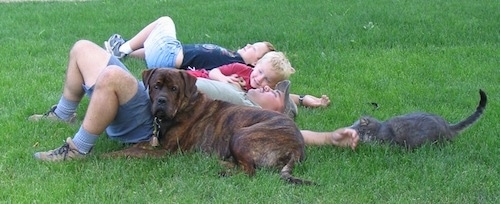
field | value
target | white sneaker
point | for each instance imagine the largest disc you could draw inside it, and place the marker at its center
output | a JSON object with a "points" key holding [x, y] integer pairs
{"points": [[112, 45]]}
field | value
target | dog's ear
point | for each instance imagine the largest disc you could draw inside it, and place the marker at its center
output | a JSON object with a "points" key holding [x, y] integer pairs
{"points": [[190, 83], [146, 76]]}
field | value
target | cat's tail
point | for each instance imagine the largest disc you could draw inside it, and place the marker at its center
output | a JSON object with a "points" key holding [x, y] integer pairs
{"points": [[464, 124]]}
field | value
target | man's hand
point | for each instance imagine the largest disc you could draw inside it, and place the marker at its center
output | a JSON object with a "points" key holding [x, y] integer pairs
{"points": [[345, 137]]}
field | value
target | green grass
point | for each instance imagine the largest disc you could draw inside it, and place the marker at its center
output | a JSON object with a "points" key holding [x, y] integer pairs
{"points": [[419, 55]]}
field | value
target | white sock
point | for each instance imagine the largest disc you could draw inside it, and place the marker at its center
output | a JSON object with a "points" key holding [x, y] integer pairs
{"points": [[125, 48], [65, 108], [84, 141]]}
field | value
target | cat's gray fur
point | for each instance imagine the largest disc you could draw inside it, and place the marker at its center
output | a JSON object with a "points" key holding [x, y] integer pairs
{"points": [[415, 129]]}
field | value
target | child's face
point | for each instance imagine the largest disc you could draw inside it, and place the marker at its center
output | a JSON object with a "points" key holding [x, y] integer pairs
{"points": [[251, 53], [263, 75]]}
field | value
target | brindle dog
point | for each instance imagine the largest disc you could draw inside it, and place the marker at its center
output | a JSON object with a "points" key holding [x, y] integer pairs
{"points": [[244, 136]]}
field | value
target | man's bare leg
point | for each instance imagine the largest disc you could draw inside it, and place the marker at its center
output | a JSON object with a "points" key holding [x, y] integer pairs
{"points": [[113, 86], [86, 62]]}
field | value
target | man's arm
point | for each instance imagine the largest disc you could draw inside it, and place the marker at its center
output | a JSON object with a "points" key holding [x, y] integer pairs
{"points": [[342, 137]]}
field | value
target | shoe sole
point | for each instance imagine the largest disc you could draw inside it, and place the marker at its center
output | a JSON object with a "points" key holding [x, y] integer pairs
{"points": [[108, 49]]}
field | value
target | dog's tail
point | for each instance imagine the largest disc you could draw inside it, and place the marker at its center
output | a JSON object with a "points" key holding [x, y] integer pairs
{"points": [[464, 124], [286, 174]]}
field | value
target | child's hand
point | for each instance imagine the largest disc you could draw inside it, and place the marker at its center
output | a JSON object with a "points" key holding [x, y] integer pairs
{"points": [[233, 79], [236, 80]]}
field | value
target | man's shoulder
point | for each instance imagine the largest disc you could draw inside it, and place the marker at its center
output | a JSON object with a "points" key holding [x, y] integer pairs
{"points": [[216, 86], [223, 91]]}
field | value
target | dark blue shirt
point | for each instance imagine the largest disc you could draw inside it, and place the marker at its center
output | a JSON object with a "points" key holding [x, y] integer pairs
{"points": [[208, 56]]}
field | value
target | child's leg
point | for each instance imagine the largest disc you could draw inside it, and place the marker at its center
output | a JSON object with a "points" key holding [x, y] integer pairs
{"points": [[137, 42]]}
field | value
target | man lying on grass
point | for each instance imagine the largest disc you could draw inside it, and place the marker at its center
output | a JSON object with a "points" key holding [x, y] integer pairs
{"points": [[120, 106]]}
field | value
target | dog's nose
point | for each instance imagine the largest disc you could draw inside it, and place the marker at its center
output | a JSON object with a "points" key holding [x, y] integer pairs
{"points": [[161, 101]]}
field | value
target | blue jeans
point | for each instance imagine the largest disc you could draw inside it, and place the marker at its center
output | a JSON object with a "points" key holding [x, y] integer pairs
{"points": [[162, 47]]}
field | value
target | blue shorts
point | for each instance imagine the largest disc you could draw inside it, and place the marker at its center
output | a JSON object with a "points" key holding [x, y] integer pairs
{"points": [[162, 47], [133, 122]]}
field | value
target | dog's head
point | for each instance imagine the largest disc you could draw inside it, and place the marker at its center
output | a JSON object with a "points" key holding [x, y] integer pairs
{"points": [[170, 90]]}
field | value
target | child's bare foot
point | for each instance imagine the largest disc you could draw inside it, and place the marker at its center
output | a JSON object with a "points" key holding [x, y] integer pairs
{"points": [[345, 137], [315, 102]]}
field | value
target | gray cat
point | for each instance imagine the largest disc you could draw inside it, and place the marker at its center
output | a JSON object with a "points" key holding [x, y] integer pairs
{"points": [[415, 129]]}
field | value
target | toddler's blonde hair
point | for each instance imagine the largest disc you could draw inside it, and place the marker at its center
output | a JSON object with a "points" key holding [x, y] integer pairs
{"points": [[279, 63]]}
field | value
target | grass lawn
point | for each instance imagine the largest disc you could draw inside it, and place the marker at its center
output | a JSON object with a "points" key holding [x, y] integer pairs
{"points": [[407, 56]]}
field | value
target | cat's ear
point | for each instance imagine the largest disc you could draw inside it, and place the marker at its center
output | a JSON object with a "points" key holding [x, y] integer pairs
{"points": [[364, 121]]}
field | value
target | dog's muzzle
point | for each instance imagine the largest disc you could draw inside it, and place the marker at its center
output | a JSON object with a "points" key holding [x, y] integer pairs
{"points": [[161, 101], [162, 109]]}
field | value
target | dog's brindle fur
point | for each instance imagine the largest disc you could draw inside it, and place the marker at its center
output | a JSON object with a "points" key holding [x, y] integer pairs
{"points": [[190, 121]]}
